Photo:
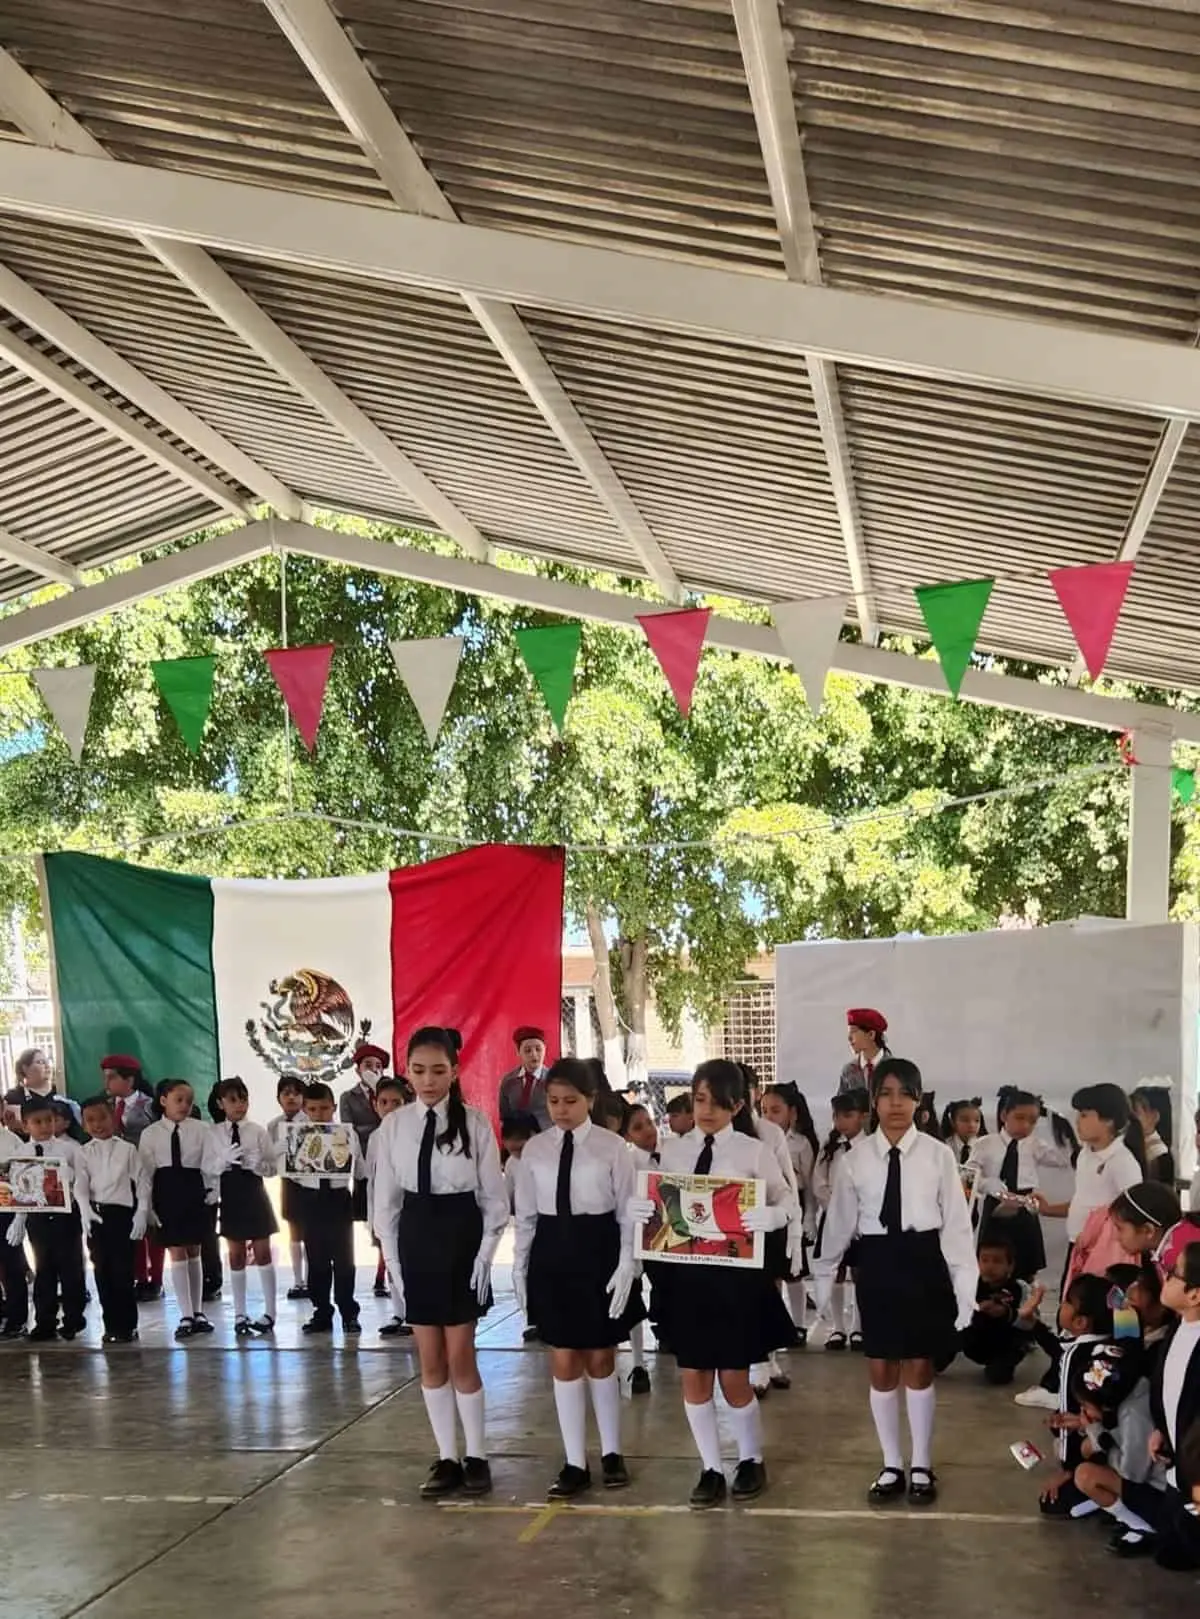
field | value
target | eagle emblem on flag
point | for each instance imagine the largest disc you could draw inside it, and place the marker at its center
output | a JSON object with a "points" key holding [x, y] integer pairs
{"points": [[308, 1027]]}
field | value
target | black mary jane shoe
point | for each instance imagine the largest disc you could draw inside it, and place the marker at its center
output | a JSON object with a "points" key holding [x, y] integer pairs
{"points": [[639, 1380], [709, 1491], [749, 1481], [890, 1485], [614, 1472], [572, 1481], [835, 1343], [445, 1477], [780, 1380], [922, 1486], [856, 1342]]}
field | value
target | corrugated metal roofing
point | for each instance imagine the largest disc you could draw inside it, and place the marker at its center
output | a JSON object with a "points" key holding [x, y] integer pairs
{"points": [[1035, 157]]}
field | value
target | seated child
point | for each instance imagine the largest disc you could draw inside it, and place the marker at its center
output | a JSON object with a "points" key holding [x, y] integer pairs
{"points": [[1000, 1333], [1084, 1317], [1117, 1473]]}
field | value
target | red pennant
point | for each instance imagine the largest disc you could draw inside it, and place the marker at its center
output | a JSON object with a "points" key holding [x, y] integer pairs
{"points": [[677, 640], [302, 673], [1091, 599]]}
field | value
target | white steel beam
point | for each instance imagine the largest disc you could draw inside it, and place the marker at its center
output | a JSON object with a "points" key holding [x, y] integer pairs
{"points": [[885, 333], [765, 59], [329, 54], [66, 333], [38, 561], [47, 124], [36, 365]]}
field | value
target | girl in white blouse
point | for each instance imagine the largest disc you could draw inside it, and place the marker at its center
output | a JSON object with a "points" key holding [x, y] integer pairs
{"points": [[898, 1198], [573, 1269], [721, 1319], [1110, 1158], [837, 1302], [785, 1106], [440, 1207]]}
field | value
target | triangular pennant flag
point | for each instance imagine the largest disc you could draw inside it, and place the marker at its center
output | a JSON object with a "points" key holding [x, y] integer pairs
{"points": [[953, 614], [187, 686], [1183, 782], [427, 668], [550, 653], [1091, 599], [67, 693], [677, 640], [302, 673], [808, 633]]}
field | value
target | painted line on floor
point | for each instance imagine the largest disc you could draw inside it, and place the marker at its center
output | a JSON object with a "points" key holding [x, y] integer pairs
{"points": [[546, 1516], [67, 1497], [546, 1512]]}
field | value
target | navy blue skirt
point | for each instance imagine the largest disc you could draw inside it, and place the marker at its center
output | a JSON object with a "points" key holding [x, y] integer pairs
{"points": [[571, 1263]]}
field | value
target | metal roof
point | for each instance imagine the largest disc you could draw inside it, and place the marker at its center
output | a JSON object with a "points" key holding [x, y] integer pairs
{"points": [[1036, 159]]}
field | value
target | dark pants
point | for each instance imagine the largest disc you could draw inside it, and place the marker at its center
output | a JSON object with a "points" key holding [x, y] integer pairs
{"points": [[210, 1253], [57, 1243], [14, 1274], [329, 1249], [1051, 1344], [113, 1253], [997, 1346]]}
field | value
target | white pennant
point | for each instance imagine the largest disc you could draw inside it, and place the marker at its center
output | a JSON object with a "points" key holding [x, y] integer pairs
{"points": [[808, 633], [67, 693], [428, 669]]}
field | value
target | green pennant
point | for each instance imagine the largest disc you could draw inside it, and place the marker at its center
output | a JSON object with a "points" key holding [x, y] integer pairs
{"points": [[1183, 782], [550, 653], [187, 685], [953, 614]]}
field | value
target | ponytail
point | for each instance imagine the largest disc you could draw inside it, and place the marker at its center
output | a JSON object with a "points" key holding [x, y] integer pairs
{"points": [[456, 1122], [1135, 1140], [832, 1143]]}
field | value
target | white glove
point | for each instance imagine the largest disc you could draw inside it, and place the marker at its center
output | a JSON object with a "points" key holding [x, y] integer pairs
{"points": [[620, 1284], [765, 1217], [154, 1220], [231, 1156], [138, 1229], [89, 1215], [212, 1197], [391, 1258], [16, 1232], [481, 1273], [639, 1209], [964, 1321], [795, 1251]]}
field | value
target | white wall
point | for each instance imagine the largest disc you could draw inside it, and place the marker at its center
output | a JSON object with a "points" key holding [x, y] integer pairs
{"points": [[1049, 1009]]}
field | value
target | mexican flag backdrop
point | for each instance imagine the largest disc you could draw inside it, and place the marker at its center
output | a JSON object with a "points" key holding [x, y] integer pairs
{"points": [[205, 977]]}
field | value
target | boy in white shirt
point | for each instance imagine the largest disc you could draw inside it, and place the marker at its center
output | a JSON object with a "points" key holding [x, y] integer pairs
{"points": [[56, 1239], [14, 1271]]}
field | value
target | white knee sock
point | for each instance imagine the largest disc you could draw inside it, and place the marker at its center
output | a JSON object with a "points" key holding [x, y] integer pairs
{"points": [[921, 1403], [196, 1284], [850, 1306], [471, 1414], [606, 1403], [1085, 1509], [702, 1420], [760, 1375], [181, 1287], [797, 1297], [439, 1406], [746, 1422], [837, 1315], [637, 1343], [885, 1409], [1129, 1519], [570, 1400], [237, 1279], [397, 1295], [266, 1275], [296, 1254]]}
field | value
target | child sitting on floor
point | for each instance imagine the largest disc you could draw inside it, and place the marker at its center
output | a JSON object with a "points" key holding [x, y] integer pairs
{"points": [[1084, 1318], [1000, 1334]]}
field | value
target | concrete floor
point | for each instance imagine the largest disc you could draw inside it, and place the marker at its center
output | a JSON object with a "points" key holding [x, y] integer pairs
{"points": [[227, 1478]]}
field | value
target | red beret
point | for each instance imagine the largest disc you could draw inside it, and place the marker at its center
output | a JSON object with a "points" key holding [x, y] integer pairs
{"points": [[119, 1061], [363, 1052], [528, 1031], [863, 1017]]}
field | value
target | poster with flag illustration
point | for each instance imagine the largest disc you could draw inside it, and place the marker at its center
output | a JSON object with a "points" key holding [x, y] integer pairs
{"points": [[697, 1219]]}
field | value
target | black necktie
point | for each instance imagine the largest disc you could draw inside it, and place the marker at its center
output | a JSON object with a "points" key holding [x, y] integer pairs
{"points": [[425, 1156], [656, 1157], [235, 1135], [176, 1149], [891, 1209], [39, 1151], [964, 1152], [562, 1191], [704, 1162], [1008, 1169]]}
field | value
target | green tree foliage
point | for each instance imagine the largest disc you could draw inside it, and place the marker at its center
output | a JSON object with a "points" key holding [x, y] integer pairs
{"points": [[680, 864]]}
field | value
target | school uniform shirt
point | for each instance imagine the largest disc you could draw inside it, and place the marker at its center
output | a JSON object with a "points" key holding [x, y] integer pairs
{"points": [[643, 1160], [602, 1182], [258, 1150], [1100, 1178], [800, 1150], [739, 1156], [931, 1199], [198, 1149], [113, 1172], [11, 1145], [774, 1138], [988, 1154], [399, 1138], [825, 1168], [1184, 1344]]}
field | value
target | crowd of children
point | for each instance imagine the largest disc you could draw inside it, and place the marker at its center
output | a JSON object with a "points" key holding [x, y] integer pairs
{"points": [[915, 1243]]}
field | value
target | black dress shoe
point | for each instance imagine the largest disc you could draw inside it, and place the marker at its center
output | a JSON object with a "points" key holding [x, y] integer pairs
{"points": [[352, 1329], [835, 1342], [889, 1486], [780, 1380], [709, 1491], [13, 1332], [856, 1342], [201, 1325], [444, 1478], [922, 1486], [1133, 1543], [319, 1323], [749, 1480], [616, 1474], [639, 1380], [381, 1290], [185, 1329], [43, 1335], [572, 1481], [395, 1329], [300, 1292], [477, 1476], [531, 1335]]}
